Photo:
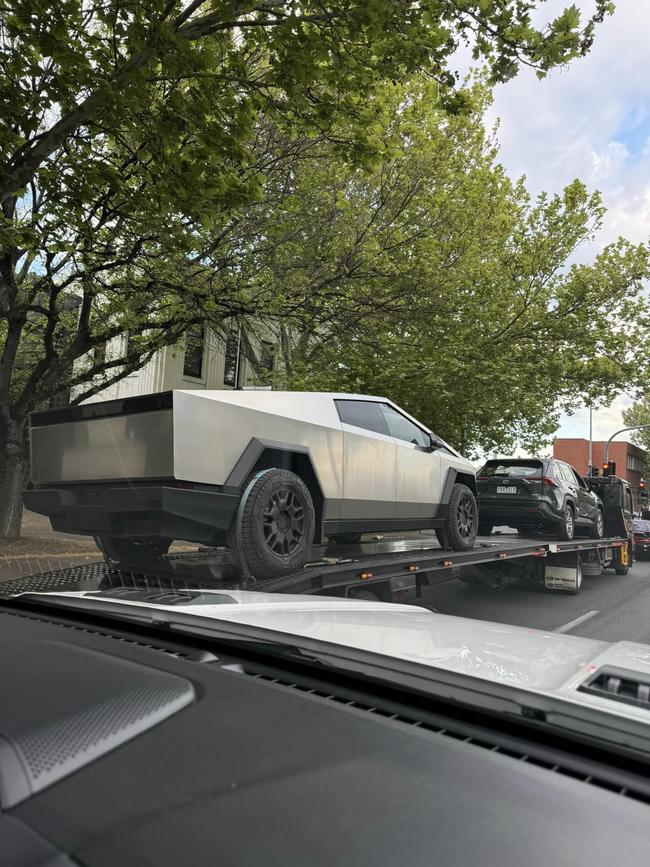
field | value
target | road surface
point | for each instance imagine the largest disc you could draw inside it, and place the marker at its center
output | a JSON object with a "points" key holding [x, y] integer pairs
{"points": [[610, 607]]}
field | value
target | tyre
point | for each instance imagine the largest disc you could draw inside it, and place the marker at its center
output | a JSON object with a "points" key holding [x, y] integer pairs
{"points": [[484, 529], [345, 539], [597, 531], [124, 550], [461, 523], [277, 525], [567, 528]]}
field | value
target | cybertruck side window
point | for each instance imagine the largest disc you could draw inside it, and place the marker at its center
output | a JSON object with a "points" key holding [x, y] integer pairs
{"points": [[362, 413], [402, 429]]}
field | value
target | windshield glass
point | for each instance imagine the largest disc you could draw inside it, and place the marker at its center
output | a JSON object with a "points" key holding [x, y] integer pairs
{"points": [[253, 253]]}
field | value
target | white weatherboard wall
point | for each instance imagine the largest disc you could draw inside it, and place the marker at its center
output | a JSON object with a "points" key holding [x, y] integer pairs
{"points": [[165, 371]]}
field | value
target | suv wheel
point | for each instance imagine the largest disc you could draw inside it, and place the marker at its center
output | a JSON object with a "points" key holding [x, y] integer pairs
{"points": [[277, 525], [567, 528], [461, 523], [597, 531], [123, 550]]}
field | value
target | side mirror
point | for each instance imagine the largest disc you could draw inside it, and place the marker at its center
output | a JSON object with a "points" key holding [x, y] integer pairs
{"points": [[433, 444]]}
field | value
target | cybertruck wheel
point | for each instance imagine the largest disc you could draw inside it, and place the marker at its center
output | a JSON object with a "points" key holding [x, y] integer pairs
{"points": [[461, 523], [136, 551], [277, 525]]}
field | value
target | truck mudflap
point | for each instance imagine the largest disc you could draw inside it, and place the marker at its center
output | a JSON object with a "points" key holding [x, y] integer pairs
{"points": [[137, 511]]}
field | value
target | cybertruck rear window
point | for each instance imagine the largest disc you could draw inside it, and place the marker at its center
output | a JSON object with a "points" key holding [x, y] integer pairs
{"points": [[514, 469]]}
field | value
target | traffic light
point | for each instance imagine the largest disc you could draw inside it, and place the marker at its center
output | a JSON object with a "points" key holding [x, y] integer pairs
{"points": [[594, 471], [643, 493], [609, 469]]}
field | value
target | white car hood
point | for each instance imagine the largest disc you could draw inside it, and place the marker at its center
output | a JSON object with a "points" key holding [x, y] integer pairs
{"points": [[545, 663]]}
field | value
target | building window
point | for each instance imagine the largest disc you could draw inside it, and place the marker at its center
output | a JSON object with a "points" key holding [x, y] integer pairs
{"points": [[232, 361], [267, 355], [99, 355], [634, 463], [194, 351]]}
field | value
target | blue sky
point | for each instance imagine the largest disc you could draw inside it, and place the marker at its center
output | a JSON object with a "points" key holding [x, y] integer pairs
{"points": [[590, 120]]}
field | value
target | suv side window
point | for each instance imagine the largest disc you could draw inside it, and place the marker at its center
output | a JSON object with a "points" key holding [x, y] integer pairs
{"points": [[362, 413], [578, 478], [402, 429]]}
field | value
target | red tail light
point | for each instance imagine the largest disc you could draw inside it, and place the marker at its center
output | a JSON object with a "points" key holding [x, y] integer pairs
{"points": [[545, 480]]}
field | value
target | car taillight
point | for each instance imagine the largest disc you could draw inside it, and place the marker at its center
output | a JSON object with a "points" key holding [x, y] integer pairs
{"points": [[545, 480]]}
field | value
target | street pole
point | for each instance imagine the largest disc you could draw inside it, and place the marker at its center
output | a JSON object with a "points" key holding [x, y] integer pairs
{"points": [[622, 430], [591, 440]]}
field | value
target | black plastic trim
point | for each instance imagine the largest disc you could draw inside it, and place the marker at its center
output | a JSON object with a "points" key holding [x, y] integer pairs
{"points": [[104, 409]]}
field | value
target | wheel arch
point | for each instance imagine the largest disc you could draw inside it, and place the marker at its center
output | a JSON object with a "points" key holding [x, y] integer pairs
{"points": [[456, 476], [262, 454]]}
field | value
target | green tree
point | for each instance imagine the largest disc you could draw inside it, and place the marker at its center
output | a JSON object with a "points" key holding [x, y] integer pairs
{"points": [[639, 414], [129, 126], [448, 288]]}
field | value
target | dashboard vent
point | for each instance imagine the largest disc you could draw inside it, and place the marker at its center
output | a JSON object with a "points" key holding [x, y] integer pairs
{"points": [[619, 684], [552, 759]]}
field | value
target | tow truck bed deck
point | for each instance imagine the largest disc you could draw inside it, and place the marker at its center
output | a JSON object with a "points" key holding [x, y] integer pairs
{"points": [[390, 568]]}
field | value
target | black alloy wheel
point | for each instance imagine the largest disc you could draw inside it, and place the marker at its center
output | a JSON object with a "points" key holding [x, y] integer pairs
{"points": [[277, 521], [466, 516], [461, 523], [284, 522]]}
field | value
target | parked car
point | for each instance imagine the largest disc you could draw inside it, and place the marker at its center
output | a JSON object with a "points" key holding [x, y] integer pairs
{"points": [[266, 473], [641, 530], [533, 493]]}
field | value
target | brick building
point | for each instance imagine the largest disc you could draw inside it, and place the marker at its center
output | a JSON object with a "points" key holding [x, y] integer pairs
{"points": [[629, 459]]}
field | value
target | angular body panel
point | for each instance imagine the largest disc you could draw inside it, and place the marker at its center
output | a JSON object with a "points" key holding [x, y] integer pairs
{"points": [[133, 446], [212, 428]]}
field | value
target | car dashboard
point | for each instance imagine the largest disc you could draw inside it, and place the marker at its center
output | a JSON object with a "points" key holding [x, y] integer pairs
{"points": [[121, 747]]}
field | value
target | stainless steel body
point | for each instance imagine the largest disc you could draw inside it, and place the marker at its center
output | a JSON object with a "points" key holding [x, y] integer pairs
{"points": [[138, 446], [366, 480], [212, 429], [369, 474]]}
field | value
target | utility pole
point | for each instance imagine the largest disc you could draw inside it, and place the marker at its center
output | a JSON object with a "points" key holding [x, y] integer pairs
{"points": [[591, 440]]}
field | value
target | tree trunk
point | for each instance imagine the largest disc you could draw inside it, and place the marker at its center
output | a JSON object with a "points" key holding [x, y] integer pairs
{"points": [[14, 471]]}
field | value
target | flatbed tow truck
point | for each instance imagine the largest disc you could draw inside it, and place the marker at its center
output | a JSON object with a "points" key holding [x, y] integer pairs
{"points": [[390, 570], [395, 569]]}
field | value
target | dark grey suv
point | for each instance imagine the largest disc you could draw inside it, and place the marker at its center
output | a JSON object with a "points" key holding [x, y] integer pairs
{"points": [[535, 493]]}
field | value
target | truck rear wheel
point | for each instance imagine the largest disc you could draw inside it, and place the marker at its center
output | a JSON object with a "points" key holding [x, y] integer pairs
{"points": [[277, 524], [124, 550]]}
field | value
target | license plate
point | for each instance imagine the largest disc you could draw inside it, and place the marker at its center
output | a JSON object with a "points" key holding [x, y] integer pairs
{"points": [[502, 490]]}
